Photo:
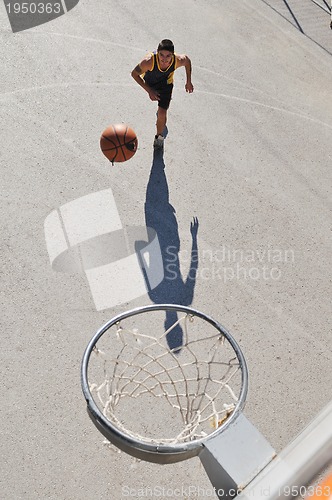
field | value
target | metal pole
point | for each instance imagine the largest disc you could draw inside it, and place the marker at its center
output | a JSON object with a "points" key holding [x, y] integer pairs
{"points": [[297, 464]]}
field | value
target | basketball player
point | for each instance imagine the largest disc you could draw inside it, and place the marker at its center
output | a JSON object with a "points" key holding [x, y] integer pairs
{"points": [[155, 74]]}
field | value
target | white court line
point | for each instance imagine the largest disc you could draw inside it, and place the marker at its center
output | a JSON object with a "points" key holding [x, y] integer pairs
{"points": [[226, 96], [246, 86], [268, 106], [129, 47], [64, 85], [130, 85], [64, 6], [87, 39]]}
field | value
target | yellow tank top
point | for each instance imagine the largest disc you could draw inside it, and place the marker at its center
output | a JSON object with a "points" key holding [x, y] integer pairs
{"points": [[157, 77]]}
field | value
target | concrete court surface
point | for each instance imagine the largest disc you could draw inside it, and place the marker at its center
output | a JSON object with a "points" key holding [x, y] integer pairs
{"points": [[248, 154]]}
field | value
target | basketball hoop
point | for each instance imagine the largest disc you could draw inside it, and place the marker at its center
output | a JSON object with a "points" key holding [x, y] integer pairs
{"points": [[161, 403]]}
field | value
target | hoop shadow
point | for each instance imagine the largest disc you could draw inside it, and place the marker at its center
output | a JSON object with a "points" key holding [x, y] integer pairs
{"points": [[160, 215]]}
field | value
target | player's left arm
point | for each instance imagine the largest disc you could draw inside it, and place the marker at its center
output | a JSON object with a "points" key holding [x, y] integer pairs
{"points": [[183, 60]]}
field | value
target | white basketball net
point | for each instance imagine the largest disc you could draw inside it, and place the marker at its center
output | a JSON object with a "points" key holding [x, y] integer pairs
{"points": [[161, 395]]}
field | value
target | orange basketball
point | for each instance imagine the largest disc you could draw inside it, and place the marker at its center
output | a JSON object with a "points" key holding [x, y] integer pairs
{"points": [[118, 142]]}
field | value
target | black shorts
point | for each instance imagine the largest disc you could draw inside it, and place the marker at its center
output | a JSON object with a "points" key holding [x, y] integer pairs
{"points": [[165, 96]]}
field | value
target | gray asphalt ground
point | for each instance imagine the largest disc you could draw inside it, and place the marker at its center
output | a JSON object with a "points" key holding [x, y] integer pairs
{"points": [[248, 154]]}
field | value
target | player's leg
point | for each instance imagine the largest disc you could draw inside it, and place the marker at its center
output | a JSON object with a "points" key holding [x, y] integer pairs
{"points": [[163, 105], [161, 120], [161, 123]]}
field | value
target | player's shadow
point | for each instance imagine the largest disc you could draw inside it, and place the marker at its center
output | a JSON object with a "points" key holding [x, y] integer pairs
{"points": [[160, 216]]}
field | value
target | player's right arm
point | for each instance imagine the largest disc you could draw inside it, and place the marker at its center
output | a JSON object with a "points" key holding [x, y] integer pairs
{"points": [[140, 69]]}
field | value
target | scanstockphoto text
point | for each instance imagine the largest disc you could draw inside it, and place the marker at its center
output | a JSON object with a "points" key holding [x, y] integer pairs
{"points": [[196, 491], [229, 264], [175, 492]]}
